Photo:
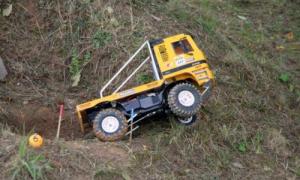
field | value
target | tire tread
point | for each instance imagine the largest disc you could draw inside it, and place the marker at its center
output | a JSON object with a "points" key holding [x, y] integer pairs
{"points": [[173, 105], [115, 136]]}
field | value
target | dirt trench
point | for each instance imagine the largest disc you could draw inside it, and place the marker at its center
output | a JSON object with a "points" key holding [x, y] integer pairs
{"points": [[28, 118]]}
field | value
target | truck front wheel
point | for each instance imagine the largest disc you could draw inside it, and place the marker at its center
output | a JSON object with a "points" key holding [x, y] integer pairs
{"points": [[110, 125], [184, 100]]}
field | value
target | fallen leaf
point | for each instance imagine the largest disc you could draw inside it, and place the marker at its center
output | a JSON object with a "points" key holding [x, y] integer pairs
{"points": [[76, 79], [7, 11], [242, 18], [280, 47], [289, 36]]}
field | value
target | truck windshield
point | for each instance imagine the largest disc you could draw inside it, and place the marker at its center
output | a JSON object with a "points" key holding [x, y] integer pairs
{"points": [[182, 47]]}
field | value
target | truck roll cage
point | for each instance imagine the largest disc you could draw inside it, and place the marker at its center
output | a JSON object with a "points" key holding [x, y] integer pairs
{"points": [[154, 67]]}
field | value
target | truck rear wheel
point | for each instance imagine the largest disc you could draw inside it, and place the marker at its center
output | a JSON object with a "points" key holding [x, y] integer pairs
{"points": [[187, 121], [184, 100], [110, 125]]}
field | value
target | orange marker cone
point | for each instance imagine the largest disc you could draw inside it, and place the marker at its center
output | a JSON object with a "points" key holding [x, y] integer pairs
{"points": [[35, 140]]}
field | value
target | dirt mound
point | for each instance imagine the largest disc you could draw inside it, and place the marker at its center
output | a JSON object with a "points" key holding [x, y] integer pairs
{"points": [[43, 120]]}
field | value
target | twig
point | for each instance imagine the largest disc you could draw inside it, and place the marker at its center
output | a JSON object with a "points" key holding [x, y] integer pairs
{"points": [[131, 16], [33, 86], [36, 21], [84, 49], [61, 109]]}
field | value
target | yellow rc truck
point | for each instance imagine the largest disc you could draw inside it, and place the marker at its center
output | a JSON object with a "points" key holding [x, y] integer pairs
{"points": [[183, 81]]}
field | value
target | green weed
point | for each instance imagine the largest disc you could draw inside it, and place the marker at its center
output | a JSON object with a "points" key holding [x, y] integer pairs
{"points": [[75, 63], [257, 142], [101, 38], [205, 3], [181, 14], [87, 56], [242, 146], [208, 24], [224, 157], [29, 164], [284, 77], [178, 11], [228, 133], [144, 78]]}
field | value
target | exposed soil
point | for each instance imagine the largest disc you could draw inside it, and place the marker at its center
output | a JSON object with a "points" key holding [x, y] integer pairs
{"points": [[72, 159], [43, 120]]}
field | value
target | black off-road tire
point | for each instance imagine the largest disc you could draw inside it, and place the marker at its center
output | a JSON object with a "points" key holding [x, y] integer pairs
{"points": [[179, 109], [190, 121], [101, 134]]}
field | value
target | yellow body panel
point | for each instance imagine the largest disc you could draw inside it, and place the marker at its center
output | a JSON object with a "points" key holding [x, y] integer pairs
{"points": [[173, 67], [113, 97], [173, 60]]}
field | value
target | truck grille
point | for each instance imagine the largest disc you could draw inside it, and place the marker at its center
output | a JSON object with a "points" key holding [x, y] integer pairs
{"points": [[163, 52]]}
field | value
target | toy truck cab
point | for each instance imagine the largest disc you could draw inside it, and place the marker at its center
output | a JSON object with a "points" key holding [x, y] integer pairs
{"points": [[182, 83]]}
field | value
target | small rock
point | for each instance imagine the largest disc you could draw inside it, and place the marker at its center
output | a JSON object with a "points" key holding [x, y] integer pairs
{"points": [[267, 168], [238, 165], [114, 22], [187, 171], [110, 10], [3, 71]]}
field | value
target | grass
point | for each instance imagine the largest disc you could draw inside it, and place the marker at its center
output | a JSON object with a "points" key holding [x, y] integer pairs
{"points": [[249, 127], [111, 173], [28, 164]]}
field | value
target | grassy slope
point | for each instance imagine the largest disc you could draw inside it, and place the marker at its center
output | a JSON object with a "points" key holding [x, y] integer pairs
{"points": [[250, 127]]}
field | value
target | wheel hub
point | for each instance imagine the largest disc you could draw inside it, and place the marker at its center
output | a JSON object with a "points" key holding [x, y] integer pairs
{"points": [[186, 120], [110, 124], [186, 98]]}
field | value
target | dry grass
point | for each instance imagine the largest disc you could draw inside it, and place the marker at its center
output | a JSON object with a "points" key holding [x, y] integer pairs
{"points": [[250, 126]]}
